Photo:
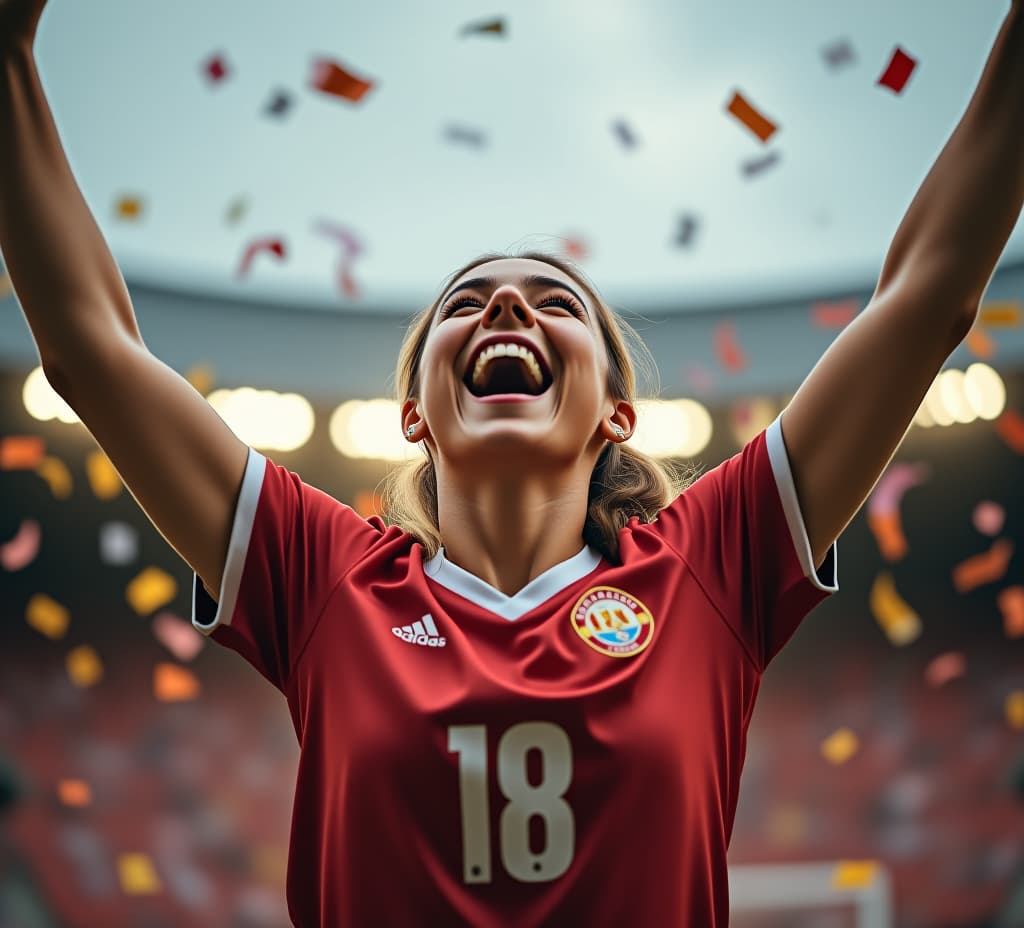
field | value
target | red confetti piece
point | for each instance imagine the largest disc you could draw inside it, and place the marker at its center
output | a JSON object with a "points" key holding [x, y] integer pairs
{"points": [[898, 72], [1010, 428], [945, 667], [215, 69], [834, 315], [576, 248], [727, 348], [273, 245], [755, 121], [331, 78]]}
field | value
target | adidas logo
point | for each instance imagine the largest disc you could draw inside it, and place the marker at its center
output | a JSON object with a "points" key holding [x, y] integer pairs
{"points": [[423, 632]]}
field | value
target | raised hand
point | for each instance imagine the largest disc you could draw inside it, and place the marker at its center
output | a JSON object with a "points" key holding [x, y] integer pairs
{"points": [[18, 21]]}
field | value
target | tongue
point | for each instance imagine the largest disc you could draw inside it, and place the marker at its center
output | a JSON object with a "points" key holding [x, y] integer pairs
{"points": [[505, 375]]}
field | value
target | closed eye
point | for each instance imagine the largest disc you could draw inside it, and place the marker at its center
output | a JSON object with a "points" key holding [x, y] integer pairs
{"points": [[566, 302]]}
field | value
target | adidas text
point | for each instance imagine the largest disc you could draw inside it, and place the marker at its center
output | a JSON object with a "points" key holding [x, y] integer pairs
{"points": [[423, 633]]}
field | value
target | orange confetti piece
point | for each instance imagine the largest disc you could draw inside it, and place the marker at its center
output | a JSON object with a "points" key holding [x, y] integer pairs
{"points": [[47, 616], [84, 666], [979, 343], [757, 123], [887, 527], [840, 746], [21, 452], [854, 874], [944, 668], [137, 875], [129, 207], [23, 548], [331, 78], [1010, 428], [102, 476], [730, 354], [74, 793], [1011, 604], [57, 477], [1015, 710], [150, 590], [901, 624], [367, 503], [983, 568], [172, 683], [1004, 315]]}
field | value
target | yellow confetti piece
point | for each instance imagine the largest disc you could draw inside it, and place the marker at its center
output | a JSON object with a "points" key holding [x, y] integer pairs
{"points": [[74, 793], [1015, 710], [202, 377], [786, 825], [901, 624], [129, 207], [6, 287], [854, 874], [56, 475], [47, 616], [103, 478], [84, 666], [137, 875], [840, 746], [1004, 315], [172, 683], [150, 590], [269, 864]]}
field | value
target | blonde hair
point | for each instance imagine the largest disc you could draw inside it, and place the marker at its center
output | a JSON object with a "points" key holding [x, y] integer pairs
{"points": [[625, 482]]}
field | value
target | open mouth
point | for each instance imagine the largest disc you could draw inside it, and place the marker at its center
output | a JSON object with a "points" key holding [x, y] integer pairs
{"points": [[507, 375]]}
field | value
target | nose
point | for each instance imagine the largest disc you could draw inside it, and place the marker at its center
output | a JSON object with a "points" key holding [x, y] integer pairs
{"points": [[508, 307]]}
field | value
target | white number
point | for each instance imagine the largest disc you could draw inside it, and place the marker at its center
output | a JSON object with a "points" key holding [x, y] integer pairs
{"points": [[524, 801]]}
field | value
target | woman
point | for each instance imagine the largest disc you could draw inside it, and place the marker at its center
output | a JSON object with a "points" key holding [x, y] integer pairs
{"points": [[524, 702]]}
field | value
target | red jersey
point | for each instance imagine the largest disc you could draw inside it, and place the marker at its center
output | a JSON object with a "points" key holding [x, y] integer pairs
{"points": [[569, 755]]}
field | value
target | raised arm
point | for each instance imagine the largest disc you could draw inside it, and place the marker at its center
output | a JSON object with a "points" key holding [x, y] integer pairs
{"points": [[180, 461], [849, 416]]}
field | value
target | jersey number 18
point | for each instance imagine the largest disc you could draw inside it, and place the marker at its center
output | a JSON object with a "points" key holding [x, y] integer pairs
{"points": [[524, 801]]}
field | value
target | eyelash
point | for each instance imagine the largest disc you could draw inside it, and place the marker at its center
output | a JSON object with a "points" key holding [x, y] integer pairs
{"points": [[566, 302]]}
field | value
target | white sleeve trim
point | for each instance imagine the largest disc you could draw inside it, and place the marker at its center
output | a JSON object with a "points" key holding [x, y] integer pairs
{"points": [[207, 614], [827, 579]]}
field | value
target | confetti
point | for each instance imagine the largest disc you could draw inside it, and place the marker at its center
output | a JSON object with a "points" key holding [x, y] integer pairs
{"points": [[128, 207], [21, 452], [215, 68], [201, 377], [23, 548], [624, 133], [47, 616], [331, 78], [172, 683], [840, 746], [1011, 604], [103, 478], [279, 104], [575, 248], [137, 875], [988, 518], [686, 232], [487, 27], [699, 378], [898, 71], [351, 248], [1010, 428], [979, 342], [839, 54], [983, 568], [1005, 315], [6, 287], [84, 666], [274, 246], [883, 507], [150, 590], [730, 355], [74, 793], [835, 315], [236, 211], [760, 125], [464, 135], [179, 637], [755, 166], [57, 477], [119, 544], [901, 624], [367, 503], [854, 874], [944, 668], [1015, 710]]}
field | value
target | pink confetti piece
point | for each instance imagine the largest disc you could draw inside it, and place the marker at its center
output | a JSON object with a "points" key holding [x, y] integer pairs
{"points": [[988, 518], [730, 355], [945, 667], [898, 71], [178, 636], [834, 315], [897, 479], [23, 548]]}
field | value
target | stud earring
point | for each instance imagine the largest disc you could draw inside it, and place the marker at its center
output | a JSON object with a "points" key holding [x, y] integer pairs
{"points": [[409, 431], [618, 431]]}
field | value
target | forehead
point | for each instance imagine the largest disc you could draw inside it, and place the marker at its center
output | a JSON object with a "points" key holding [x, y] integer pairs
{"points": [[512, 270]]}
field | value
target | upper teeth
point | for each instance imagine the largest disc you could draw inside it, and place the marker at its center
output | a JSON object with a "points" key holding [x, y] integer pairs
{"points": [[507, 351]]}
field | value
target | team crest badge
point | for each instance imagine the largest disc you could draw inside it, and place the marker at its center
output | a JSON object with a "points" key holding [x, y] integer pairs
{"points": [[612, 622]]}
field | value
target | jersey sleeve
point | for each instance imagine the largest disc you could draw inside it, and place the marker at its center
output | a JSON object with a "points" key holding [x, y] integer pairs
{"points": [[290, 545], [740, 529]]}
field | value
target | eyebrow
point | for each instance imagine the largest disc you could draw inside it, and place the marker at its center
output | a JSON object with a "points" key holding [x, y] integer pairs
{"points": [[530, 280]]}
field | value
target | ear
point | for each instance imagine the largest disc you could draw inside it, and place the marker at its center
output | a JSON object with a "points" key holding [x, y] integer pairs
{"points": [[624, 417], [411, 417]]}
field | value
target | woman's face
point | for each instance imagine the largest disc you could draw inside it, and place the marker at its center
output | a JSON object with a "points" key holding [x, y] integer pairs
{"points": [[528, 409]]}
